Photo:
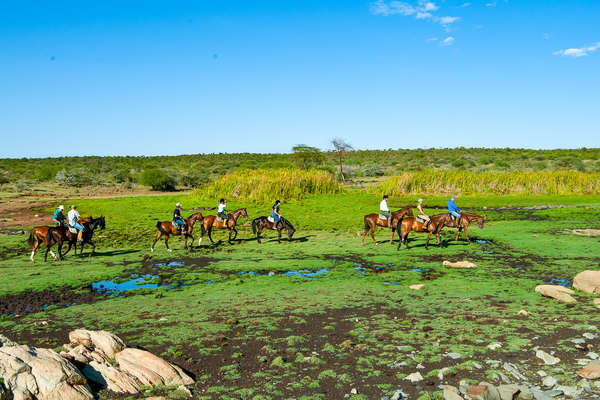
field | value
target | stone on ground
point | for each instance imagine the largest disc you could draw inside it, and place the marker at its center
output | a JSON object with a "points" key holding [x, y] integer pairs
{"points": [[416, 287], [557, 292], [586, 232], [451, 393], [414, 377], [587, 281], [459, 264], [548, 359], [590, 371], [150, 369], [100, 341]]}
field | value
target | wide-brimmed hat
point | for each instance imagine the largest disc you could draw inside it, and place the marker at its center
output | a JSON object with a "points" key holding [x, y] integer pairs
{"points": [[178, 205], [73, 206], [61, 207]]}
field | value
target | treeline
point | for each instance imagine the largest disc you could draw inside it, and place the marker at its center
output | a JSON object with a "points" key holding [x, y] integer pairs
{"points": [[168, 172]]}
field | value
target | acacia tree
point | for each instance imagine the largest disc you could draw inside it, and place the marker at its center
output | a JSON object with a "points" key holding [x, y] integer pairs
{"points": [[340, 147], [307, 155]]}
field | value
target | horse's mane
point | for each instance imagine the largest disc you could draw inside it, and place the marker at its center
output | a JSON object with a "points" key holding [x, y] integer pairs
{"points": [[288, 223]]}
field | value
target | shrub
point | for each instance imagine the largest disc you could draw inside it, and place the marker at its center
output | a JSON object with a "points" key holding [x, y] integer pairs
{"points": [[76, 177], [267, 184], [47, 173], [194, 179], [3, 178], [158, 180]]}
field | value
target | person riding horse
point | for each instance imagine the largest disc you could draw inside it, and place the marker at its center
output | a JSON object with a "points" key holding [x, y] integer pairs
{"points": [[422, 215], [454, 210], [275, 211], [385, 210], [73, 218], [177, 216], [221, 210], [58, 217]]}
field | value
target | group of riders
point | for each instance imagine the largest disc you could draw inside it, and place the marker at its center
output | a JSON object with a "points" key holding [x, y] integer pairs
{"points": [[453, 210], [72, 220]]}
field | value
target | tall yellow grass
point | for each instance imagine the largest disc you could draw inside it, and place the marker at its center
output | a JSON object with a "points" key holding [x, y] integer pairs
{"points": [[466, 182], [269, 184]]}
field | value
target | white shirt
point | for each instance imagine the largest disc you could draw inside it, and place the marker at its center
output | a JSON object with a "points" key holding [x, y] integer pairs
{"points": [[221, 207], [72, 216], [383, 205]]}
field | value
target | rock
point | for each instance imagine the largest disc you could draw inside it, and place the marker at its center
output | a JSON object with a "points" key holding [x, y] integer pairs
{"points": [[557, 292], [441, 373], [553, 393], [477, 365], [542, 373], [570, 391], [590, 371], [587, 281], [398, 394], [547, 358], [539, 395], [524, 393], [110, 377], [156, 398], [523, 312], [414, 377], [592, 355], [150, 369], [512, 368], [459, 264], [590, 336], [508, 392], [478, 392], [494, 346], [451, 393], [492, 392], [100, 341], [416, 287], [549, 381], [353, 391], [453, 356], [578, 341], [37, 373], [586, 232]]}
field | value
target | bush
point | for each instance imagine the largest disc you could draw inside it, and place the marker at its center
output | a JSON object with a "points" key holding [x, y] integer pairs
{"points": [[77, 177], [158, 180], [121, 176], [194, 179], [3, 178], [371, 170], [47, 173]]}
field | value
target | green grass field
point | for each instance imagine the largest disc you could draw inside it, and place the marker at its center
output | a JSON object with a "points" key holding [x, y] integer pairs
{"points": [[245, 321]]}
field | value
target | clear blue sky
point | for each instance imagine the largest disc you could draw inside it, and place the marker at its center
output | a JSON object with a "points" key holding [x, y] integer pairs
{"points": [[146, 78]]}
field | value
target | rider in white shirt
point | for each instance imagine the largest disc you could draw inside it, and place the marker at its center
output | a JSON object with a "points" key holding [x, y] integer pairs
{"points": [[385, 210], [73, 218], [221, 209]]}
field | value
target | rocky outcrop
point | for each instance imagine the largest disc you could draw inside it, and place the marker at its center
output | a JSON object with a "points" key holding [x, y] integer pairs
{"points": [[557, 292], [150, 369], [587, 281], [459, 264], [36, 373]]}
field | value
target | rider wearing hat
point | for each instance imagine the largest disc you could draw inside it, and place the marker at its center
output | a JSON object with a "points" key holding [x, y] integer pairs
{"points": [[58, 217], [422, 214], [385, 210], [275, 212], [73, 217], [454, 210], [177, 216], [221, 209]]}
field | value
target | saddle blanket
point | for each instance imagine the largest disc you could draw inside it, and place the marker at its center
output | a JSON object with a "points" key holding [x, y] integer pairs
{"points": [[270, 219], [220, 219], [382, 217], [72, 230], [421, 220], [175, 225]]}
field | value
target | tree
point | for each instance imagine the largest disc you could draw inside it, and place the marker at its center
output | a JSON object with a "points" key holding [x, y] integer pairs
{"points": [[158, 179], [340, 147], [307, 155]]}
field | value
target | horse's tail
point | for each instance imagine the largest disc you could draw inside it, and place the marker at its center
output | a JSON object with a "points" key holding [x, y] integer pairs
{"points": [[160, 228], [31, 239], [367, 226], [254, 225], [49, 236], [202, 228]]}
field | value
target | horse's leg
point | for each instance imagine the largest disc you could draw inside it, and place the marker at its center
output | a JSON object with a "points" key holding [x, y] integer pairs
{"points": [[93, 247], [467, 234], [185, 241], [258, 231], [35, 247], [393, 231], [167, 243], [427, 241], [279, 236], [210, 235], [458, 233], [60, 245], [373, 234], [155, 240], [229, 239]]}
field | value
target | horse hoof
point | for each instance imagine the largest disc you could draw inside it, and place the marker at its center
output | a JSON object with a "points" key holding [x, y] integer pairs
{"points": [[151, 249], [169, 250]]}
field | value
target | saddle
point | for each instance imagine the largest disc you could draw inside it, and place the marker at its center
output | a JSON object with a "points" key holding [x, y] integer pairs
{"points": [[421, 220], [72, 230], [221, 219], [175, 225], [382, 217], [270, 219]]}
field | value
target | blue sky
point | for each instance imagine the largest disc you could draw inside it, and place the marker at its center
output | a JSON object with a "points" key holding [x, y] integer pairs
{"points": [[146, 78]]}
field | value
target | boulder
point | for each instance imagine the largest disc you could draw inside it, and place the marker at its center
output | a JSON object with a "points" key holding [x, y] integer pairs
{"points": [[508, 392], [36, 373], [414, 377], [590, 371], [459, 264], [587, 281], [548, 359], [451, 393], [101, 341], [110, 377], [416, 287], [557, 292], [150, 369], [586, 232]]}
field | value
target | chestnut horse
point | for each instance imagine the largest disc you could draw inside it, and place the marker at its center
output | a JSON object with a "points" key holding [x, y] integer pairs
{"points": [[211, 222], [465, 220], [373, 220], [166, 229], [409, 224], [62, 233], [43, 234], [260, 223]]}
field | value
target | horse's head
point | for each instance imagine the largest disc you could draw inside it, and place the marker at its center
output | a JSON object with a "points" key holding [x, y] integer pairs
{"points": [[480, 222], [244, 213], [101, 222], [407, 212], [290, 228], [196, 217]]}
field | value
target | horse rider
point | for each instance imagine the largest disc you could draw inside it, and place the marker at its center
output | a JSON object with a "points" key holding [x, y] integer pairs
{"points": [[422, 214], [58, 217], [221, 210], [454, 210], [177, 216], [275, 211], [73, 218], [385, 210]]}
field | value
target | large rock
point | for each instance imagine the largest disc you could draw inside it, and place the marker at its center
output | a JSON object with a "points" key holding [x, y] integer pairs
{"points": [[586, 232], [557, 292], [590, 371], [459, 264], [35, 373], [548, 359], [150, 369], [100, 341], [110, 377], [587, 281]]}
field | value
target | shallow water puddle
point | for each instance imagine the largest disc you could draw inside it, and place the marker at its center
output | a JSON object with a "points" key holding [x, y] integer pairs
{"points": [[116, 286], [301, 273]]}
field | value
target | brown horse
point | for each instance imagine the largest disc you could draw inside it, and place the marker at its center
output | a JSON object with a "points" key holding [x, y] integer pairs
{"points": [[211, 222], [260, 223], [465, 220], [166, 229], [44, 234], [62, 234], [409, 224], [373, 220]]}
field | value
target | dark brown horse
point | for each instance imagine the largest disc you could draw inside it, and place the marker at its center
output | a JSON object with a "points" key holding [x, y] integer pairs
{"points": [[373, 220], [409, 224], [211, 221], [43, 234], [465, 220], [260, 223], [166, 229], [62, 234]]}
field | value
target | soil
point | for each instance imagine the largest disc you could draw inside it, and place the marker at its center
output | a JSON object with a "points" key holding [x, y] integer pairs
{"points": [[22, 214]]}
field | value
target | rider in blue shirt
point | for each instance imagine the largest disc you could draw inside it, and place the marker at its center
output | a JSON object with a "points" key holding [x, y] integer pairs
{"points": [[58, 217], [177, 216], [453, 209], [275, 212]]}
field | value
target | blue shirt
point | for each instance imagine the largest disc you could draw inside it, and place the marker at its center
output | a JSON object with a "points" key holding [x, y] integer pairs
{"points": [[58, 215], [177, 214], [452, 206]]}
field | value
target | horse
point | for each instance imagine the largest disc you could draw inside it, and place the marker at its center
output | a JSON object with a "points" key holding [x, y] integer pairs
{"points": [[373, 220], [409, 224], [44, 234], [260, 223], [211, 222], [62, 233], [166, 228], [465, 220]]}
